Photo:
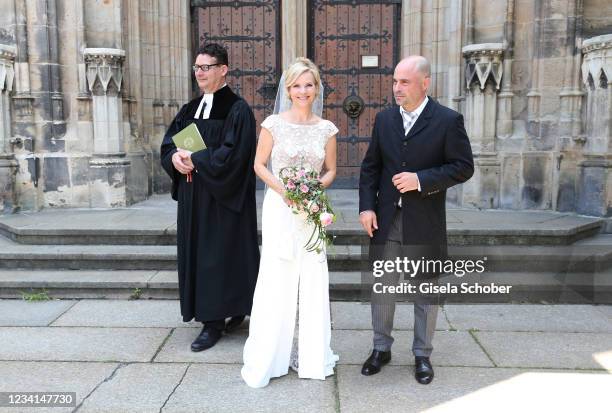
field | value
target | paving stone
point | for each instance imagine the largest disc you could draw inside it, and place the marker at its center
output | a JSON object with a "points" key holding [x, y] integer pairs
{"points": [[124, 313], [526, 317], [459, 389], [220, 388], [80, 343], [358, 316], [178, 348], [141, 387], [38, 313], [25, 376], [550, 350], [451, 348]]}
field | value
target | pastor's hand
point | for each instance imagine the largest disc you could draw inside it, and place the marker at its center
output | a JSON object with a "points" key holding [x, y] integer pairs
{"points": [[368, 222], [186, 158], [406, 181], [178, 160]]}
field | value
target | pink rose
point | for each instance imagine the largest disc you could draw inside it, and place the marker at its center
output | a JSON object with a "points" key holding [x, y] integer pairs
{"points": [[304, 188], [290, 185], [326, 219], [301, 173], [314, 208]]}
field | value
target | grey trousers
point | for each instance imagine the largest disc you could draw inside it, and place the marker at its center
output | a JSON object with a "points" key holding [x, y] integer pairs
{"points": [[425, 313]]}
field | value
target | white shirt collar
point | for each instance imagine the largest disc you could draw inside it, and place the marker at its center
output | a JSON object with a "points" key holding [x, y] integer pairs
{"points": [[208, 98], [418, 110]]}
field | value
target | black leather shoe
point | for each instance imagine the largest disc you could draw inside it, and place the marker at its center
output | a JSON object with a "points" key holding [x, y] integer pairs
{"points": [[423, 370], [207, 339], [234, 323], [376, 360]]}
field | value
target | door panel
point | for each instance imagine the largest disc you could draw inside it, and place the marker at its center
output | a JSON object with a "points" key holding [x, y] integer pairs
{"points": [[250, 30], [341, 33]]}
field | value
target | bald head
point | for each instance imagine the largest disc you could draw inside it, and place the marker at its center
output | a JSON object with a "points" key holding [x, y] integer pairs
{"points": [[410, 81], [415, 62]]}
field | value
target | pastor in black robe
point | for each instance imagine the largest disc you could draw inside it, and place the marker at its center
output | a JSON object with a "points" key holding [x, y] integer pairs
{"points": [[218, 252]]}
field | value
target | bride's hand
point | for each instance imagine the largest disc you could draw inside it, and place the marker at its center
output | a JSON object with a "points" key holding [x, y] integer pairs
{"points": [[289, 202]]}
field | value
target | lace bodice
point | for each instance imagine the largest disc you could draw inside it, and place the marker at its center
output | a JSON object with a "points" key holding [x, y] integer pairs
{"points": [[297, 144]]}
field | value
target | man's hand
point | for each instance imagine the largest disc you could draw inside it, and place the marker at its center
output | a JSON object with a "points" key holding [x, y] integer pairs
{"points": [[368, 222], [186, 157], [406, 181], [182, 161]]}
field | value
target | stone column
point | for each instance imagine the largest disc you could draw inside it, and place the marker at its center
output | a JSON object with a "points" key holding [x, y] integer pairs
{"points": [[504, 98], [455, 65], [8, 164], [570, 131], [412, 28], [294, 31], [483, 75], [595, 181], [108, 164]]}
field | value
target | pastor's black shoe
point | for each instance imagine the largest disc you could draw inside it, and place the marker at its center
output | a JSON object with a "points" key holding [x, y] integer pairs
{"points": [[234, 323], [423, 370], [376, 360], [207, 338]]}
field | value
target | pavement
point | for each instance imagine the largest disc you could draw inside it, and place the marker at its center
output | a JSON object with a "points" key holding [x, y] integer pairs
{"points": [[120, 355], [134, 356]]}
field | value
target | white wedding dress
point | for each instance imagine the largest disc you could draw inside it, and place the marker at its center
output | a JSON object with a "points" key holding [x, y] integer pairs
{"points": [[293, 284]]}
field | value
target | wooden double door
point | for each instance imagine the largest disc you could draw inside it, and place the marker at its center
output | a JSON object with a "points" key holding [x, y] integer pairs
{"points": [[355, 43]]}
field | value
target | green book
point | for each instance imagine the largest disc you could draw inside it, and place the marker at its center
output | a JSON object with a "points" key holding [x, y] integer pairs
{"points": [[189, 139]]}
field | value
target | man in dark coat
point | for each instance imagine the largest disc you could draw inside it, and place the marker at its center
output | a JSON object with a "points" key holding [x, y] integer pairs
{"points": [[418, 150], [218, 253]]}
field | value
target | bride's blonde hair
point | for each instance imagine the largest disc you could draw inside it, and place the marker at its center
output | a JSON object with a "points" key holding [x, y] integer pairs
{"points": [[300, 66]]}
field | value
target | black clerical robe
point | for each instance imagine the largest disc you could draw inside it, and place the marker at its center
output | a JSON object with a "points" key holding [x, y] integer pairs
{"points": [[218, 253]]}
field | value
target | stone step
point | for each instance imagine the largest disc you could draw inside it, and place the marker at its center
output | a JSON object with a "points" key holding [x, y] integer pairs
{"points": [[584, 256], [123, 283], [153, 222], [343, 235], [138, 284]]}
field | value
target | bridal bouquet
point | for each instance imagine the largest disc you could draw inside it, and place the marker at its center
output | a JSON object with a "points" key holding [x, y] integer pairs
{"points": [[305, 191]]}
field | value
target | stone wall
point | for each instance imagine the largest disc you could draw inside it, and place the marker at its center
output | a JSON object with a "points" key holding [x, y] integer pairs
{"points": [[90, 97], [88, 88], [513, 68]]}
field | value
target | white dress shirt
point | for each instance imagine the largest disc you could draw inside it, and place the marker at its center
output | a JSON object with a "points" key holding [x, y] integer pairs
{"points": [[410, 119]]}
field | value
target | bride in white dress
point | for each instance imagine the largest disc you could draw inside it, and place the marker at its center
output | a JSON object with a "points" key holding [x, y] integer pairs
{"points": [[293, 285]]}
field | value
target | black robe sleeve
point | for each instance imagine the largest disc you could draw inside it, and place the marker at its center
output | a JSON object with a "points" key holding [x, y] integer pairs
{"points": [[227, 170], [168, 149]]}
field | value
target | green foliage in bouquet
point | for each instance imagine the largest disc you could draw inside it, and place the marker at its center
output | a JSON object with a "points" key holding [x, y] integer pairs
{"points": [[305, 191]]}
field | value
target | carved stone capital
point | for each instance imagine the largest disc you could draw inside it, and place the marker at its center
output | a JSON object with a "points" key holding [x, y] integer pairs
{"points": [[483, 62], [597, 62], [104, 70], [7, 69]]}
